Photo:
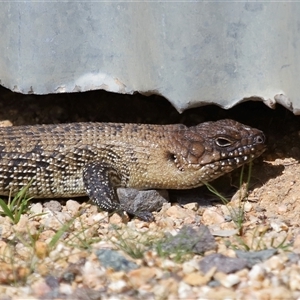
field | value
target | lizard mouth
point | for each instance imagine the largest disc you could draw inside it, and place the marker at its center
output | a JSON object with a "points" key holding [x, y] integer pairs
{"points": [[232, 160]]}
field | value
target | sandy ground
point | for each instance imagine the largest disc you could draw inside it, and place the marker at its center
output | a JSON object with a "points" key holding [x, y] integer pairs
{"points": [[274, 198], [276, 175]]}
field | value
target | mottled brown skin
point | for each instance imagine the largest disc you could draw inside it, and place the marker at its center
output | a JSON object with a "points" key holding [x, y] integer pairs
{"points": [[69, 160]]}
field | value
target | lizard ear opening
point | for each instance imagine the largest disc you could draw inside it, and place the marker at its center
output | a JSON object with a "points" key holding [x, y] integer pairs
{"points": [[172, 157]]}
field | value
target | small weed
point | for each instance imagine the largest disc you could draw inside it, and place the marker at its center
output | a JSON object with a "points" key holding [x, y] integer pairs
{"points": [[78, 239], [259, 241], [61, 232], [134, 244], [17, 206], [236, 214], [19, 267], [178, 254], [282, 245]]}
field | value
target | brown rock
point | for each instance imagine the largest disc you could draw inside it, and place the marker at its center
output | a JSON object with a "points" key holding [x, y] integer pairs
{"points": [[195, 279], [41, 249], [141, 276], [210, 216], [176, 212]]}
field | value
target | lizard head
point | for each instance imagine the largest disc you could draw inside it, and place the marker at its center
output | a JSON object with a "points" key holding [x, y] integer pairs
{"points": [[215, 148]]}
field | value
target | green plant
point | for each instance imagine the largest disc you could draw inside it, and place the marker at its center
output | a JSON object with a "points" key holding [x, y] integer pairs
{"points": [[17, 206], [178, 254], [75, 239], [259, 241], [133, 242], [237, 214]]}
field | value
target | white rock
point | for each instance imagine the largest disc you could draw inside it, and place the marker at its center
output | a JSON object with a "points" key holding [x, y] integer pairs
{"points": [[247, 206], [294, 280], [190, 266], [36, 208], [72, 206], [118, 286], [279, 226], [183, 290], [65, 288], [257, 273], [230, 280]]}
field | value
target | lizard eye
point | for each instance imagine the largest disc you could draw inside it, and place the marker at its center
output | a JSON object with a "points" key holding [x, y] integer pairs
{"points": [[223, 142]]}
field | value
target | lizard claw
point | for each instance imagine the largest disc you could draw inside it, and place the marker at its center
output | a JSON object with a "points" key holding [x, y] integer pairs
{"points": [[144, 215]]}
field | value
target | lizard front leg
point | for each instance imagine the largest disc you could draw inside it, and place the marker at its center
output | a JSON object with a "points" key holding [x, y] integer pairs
{"points": [[101, 181]]}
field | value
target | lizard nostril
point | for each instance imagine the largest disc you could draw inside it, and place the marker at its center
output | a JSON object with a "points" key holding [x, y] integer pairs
{"points": [[259, 139]]}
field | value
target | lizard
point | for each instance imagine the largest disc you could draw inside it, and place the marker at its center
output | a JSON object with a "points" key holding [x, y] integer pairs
{"points": [[94, 159]]}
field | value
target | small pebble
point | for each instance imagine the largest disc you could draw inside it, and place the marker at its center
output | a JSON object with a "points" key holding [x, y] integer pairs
{"points": [[279, 226], [281, 209], [227, 280], [257, 273], [195, 279], [72, 206], [211, 216], [119, 286], [36, 208]]}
